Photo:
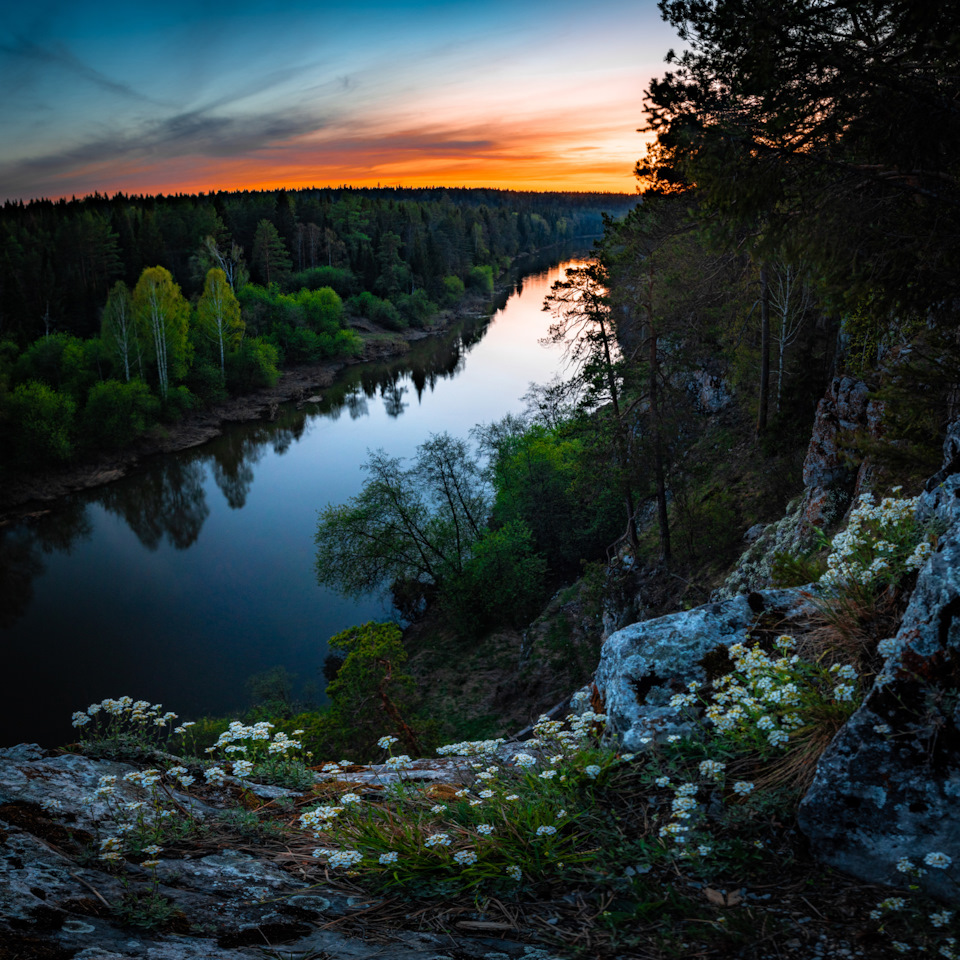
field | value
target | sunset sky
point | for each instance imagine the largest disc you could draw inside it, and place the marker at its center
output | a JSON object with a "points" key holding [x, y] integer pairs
{"points": [[189, 95]]}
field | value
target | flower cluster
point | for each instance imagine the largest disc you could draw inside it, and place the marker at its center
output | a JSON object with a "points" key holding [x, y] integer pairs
{"points": [[764, 699], [135, 723], [881, 541]]}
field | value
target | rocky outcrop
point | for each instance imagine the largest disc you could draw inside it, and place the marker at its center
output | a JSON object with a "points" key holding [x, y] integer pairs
{"points": [[889, 784], [228, 900], [711, 393], [831, 483], [642, 666]]}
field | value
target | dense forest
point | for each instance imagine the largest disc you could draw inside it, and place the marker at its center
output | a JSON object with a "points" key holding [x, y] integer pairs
{"points": [[119, 312]]}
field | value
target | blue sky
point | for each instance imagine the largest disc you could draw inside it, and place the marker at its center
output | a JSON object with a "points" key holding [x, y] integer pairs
{"points": [[197, 96]]}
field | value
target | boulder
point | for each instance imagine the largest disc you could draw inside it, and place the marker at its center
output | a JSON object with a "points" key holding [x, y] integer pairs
{"points": [[888, 786], [642, 666]]}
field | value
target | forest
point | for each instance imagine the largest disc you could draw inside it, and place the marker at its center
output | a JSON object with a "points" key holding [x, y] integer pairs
{"points": [[120, 313]]}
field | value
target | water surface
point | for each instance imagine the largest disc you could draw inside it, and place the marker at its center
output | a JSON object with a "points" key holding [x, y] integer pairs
{"points": [[178, 583]]}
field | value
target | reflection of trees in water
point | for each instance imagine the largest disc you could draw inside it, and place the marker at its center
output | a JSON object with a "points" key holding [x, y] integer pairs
{"points": [[284, 433], [240, 447], [233, 459], [356, 403], [21, 550], [166, 502], [428, 362], [393, 400]]}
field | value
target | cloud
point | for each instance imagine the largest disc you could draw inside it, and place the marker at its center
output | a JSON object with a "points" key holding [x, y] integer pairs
{"points": [[59, 55], [189, 134]]}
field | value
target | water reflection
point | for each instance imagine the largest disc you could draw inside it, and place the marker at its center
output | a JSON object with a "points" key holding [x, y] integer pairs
{"points": [[233, 460], [144, 614], [168, 503], [21, 555]]}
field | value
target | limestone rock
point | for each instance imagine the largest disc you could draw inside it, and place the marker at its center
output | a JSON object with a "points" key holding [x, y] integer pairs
{"points": [[830, 484], [58, 898], [879, 796], [711, 393], [642, 666]]}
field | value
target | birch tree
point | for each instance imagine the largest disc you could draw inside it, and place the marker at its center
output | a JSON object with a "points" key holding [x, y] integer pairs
{"points": [[218, 314], [118, 329], [790, 299], [162, 317]]}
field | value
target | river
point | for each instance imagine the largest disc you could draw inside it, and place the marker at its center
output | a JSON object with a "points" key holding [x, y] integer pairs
{"points": [[178, 583]]}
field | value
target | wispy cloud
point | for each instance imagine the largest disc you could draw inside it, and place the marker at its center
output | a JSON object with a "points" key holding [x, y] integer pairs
{"points": [[59, 55]]}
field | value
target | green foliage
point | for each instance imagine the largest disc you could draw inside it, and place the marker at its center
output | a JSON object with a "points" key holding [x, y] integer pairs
{"points": [[218, 315], [797, 570], [917, 395], [547, 479], [706, 524], [869, 198], [369, 686], [481, 279], [162, 317], [118, 331], [503, 583], [147, 910], [269, 258], [305, 326], [60, 360], [416, 308], [518, 825], [870, 335], [44, 422], [205, 381], [453, 290], [252, 366], [416, 525], [340, 279], [117, 413], [379, 311], [178, 402], [321, 310]]}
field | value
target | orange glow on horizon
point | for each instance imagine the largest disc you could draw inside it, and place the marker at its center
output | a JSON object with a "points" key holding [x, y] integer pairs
{"points": [[539, 157]]}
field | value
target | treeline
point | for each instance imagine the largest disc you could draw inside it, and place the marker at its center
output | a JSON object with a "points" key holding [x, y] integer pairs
{"points": [[58, 259], [119, 312]]}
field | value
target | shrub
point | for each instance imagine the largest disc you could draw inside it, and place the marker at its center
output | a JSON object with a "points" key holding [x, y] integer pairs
{"points": [[379, 311], [503, 583], [43, 423], [416, 308], [453, 290], [481, 279], [116, 413], [253, 366], [340, 279]]}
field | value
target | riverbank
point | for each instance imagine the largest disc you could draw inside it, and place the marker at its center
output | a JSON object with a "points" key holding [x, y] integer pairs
{"points": [[32, 493]]}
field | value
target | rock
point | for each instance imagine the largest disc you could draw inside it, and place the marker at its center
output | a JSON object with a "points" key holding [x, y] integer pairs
{"points": [[951, 456], [753, 534], [880, 796], [57, 899], [830, 485], [830, 481], [710, 392], [642, 666]]}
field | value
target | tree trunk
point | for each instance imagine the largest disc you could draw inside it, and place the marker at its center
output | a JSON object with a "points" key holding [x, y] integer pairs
{"points": [[622, 455], [663, 520], [764, 351]]}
